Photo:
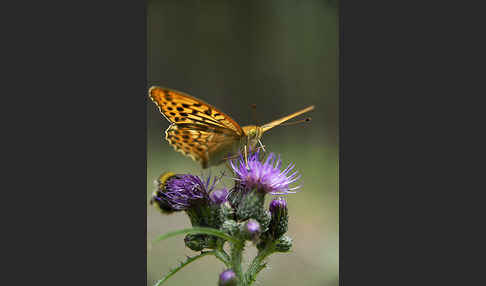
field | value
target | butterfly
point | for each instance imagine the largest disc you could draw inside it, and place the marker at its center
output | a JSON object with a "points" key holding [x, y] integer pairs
{"points": [[204, 133]]}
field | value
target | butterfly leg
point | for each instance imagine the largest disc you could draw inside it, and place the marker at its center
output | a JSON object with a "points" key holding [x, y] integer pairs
{"points": [[246, 160], [245, 154], [263, 147], [231, 157]]}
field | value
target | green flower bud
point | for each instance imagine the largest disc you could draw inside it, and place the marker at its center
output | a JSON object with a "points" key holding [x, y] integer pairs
{"points": [[250, 205], [196, 242], [227, 212], [230, 227], [250, 229], [201, 214], [283, 244], [264, 217]]}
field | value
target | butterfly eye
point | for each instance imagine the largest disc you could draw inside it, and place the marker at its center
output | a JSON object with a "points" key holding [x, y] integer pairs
{"points": [[252, 133]]}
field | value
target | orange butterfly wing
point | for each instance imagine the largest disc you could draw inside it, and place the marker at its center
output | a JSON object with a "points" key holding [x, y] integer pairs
{"points": [[198, 130]]}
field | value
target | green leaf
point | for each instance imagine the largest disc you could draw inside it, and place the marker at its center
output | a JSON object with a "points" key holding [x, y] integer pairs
{"points": [[203, 230]]}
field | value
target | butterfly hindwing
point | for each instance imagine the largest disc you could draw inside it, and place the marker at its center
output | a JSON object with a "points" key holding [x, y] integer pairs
{"points": [[204, 145]]}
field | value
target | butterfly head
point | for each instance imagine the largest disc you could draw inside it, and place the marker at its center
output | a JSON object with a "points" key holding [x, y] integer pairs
{"points": [[253, 134]]}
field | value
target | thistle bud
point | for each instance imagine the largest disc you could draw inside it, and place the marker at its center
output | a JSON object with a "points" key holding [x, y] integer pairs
{"points": [[283, 244], [230, 227], [250, 205], [218, 196], [196, 242], [264, 219], [227, 278], [250, 229], [279, 223], [227, 212]]}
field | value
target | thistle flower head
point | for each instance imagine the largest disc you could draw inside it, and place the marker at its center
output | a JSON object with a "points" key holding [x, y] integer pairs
{"points": [[227, 278], [181, 191], [265, 175], [219, 196]]}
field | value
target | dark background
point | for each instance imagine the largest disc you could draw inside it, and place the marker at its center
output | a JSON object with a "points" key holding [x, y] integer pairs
{"points": [[74, 195], [283, 56]]}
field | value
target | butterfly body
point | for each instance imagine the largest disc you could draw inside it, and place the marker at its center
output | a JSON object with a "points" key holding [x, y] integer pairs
{"points": [[253, 133], [201, 131]]}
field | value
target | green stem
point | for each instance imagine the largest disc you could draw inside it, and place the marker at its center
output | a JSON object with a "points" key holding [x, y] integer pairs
{"points": [[182, 265], [223, 256], [258, 263], [236, 258]]}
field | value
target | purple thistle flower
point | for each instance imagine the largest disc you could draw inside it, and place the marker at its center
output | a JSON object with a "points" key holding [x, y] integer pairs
{"points": [[219, 196], [180, 192], [265, 175], [227, 278]]}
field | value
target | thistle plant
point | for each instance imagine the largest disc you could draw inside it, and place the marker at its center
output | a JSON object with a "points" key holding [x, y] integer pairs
{"points": [[236, 218]]}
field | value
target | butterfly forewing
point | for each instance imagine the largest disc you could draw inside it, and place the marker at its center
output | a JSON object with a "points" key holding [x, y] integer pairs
{"points": [[198, 130], [179, 107]]}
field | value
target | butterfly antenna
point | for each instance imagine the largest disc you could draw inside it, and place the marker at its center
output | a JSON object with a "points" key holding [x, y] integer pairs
{"points": [[308, 119], [254, 114], [280, 121]]}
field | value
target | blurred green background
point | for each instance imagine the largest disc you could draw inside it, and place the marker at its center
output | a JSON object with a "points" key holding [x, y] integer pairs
{"points": [[283, 56]]}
